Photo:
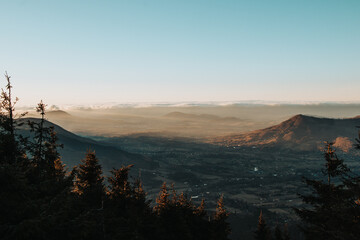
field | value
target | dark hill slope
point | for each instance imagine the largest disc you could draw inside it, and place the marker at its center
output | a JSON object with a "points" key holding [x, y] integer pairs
{"points": [[76, 146]]}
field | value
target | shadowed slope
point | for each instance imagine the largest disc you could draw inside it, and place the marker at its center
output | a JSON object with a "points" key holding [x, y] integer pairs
{"points": [[75, 147]]}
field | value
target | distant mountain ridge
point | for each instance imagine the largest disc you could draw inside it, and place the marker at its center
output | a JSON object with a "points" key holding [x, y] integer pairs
{"points": [[58, 113], [205, 117], [300, 132]]}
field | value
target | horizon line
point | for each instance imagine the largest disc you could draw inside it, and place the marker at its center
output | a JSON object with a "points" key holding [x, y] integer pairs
{"points": [[140, 104]]}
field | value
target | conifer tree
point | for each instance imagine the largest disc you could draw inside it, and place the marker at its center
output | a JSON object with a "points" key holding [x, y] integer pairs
{"points": [[128, 213], [52, 156], [88, 203], [332, 212], [43, 147], [200, 210], [47, 174], [119, 186], [221, 213], [11, 149], [16, 205], [184, 202], [30, 199], [162, 200], [178, 218], [334, 166], [201, 227], [221, 228], [140, 194], [262, 232], [174, 198], [89, 182], [8, 106], [40, 133]]}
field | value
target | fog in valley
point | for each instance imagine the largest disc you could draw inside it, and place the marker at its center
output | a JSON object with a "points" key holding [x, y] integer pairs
{"points": [[194, 121]]}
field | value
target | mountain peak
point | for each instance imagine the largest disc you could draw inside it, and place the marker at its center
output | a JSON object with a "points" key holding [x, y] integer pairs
{"points": [[299, 117], [298, 132]]}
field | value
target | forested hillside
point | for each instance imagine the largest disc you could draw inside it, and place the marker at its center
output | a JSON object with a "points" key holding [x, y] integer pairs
{"points": [[40, 199]]}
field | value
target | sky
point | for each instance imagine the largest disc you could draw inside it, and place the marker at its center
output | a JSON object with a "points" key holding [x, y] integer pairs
{"points": [[87, 52]]}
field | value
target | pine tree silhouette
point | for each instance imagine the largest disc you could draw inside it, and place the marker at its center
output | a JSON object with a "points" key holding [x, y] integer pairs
{"points": [[43, 201], [331, 212], [128, 213], [140, 193], [88, 202], [53, 160], [89, 182], [200, 210], [119, 184], [43, 149], [162, 201], [16, 204], [11, 149], [221, 228], [333, 166], [262, 232], [221, 213]]}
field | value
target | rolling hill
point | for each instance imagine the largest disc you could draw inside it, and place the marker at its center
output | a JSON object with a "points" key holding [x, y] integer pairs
{"points": [[299, 133], [76, 146], [58, 113]]}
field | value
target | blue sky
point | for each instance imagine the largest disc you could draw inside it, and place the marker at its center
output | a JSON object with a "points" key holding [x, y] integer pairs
{"points": [[85, 52]]}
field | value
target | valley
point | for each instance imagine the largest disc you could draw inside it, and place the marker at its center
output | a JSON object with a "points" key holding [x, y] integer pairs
{"points": [[258, 170], [251, 179]]}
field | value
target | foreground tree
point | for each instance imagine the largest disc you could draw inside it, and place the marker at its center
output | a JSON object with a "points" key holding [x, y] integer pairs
{"points": [[89, 182], [333, 212], [16, 205], [11, 150], [89, 196], [40, 200], [52, 158], [263, 231], [127, 212], [220, 226], [40, 137], [46, 161], [162, 201], [179, 218]]}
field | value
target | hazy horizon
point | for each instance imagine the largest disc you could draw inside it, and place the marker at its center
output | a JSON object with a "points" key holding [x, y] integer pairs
{"points": [[114, 105], [88, 52], [197, 121]]}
